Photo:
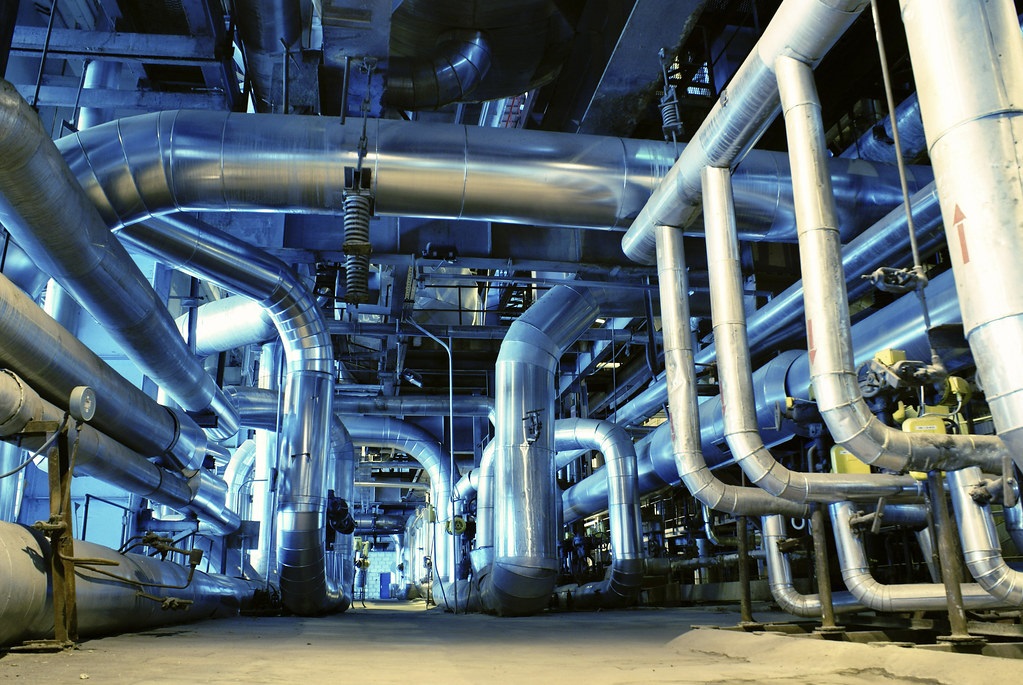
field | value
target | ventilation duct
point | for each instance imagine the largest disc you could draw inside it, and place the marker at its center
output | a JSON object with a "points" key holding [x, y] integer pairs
{"points": [[104, 606], [461, 62], [267, 28], [36, 195], [308, 388], [746, 108]]}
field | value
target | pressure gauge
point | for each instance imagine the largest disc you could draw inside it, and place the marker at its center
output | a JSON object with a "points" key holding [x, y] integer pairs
{"points": [[83, 403]]}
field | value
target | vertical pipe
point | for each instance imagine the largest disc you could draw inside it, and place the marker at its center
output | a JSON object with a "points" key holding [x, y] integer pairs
{"points": [[745, 601], [822, 569]]}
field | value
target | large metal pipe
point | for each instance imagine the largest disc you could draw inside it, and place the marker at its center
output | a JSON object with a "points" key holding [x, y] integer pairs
{"points": [[807, 28], [267, 28], [625, 578], [37, 194], [237, 475], [735, 373], [852, 557], [968, 62], [225, 324], [482, 557], [219, 161], [461, 63], [104, 605], [981, 547], [850, 421], [527, 500], [414, 405], [877, 144], [683, 412], [202, 494], [779, 577], [308, 387]]}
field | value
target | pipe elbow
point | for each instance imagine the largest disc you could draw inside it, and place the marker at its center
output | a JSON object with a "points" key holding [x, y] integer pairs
{"points": [[519, 586]]}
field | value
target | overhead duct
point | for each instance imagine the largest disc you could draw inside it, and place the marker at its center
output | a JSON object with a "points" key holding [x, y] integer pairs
{"points": [[461, 62], [220, 161], [526, 498], [104, 605], [100, 456], [37, 194], [968, 63], [625, 576], [850, 421], [415, 405], [267, 29], [308, 388], [852, 557], [226, 324], [807, 28], [878, 145], [735, 373], [683, 409]]}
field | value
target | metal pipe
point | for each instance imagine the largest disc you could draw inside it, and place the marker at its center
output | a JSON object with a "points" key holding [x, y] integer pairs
{"points": [[822, 569], [621, 588], [105, 605], [207, 253], [482, 557], [683, 417], [850, 421], [220, 161], [876, 144], [99, 456], [262, 26], [226, 324], [36, 195], [745, 597], [948, 557], [527, 500], [462, 61], [981, 547], [807, 28], [239, 473], [735, 373], [414, 405], [11, 456], [968, 62], [779, 576], [888, 598]]}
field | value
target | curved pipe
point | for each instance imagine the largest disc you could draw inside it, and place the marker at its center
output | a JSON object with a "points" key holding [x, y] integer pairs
{"points": [[461, 63], [104, 606], [735, 371], [308, 388], [850, 421], [981, 547], [888, 598], [237, 474], [683, 415], [219, 161], [779, 576], [36, 195], [527, 501], [226, 324], [801, 27], [101, 457], [622, 586]]}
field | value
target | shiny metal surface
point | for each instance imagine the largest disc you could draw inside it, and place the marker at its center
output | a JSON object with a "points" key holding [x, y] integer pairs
{"points": [[779, 576], [11, 456], [61, 307], [104, 606], [868, 591], [982, 549], [832, 369], [683, 418], [226, 324], [621, 588], [968, 62], [735, 373], [341, 479], [482, 557], [90, 263], [412, 405], [460, 63], [526, 498], [876, 144], [807, 28], [264, 28], [238, 475]]}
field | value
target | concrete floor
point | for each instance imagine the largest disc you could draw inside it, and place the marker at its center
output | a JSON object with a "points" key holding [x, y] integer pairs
{"points": [[407, 643]]}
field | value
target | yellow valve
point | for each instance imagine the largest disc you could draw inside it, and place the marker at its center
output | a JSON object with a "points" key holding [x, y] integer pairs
{"points": [[956, 390], [890, 357], [455, 526]]}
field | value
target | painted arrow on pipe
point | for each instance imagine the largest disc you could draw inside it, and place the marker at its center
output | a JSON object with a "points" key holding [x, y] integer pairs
{"points": [[959, 221]]}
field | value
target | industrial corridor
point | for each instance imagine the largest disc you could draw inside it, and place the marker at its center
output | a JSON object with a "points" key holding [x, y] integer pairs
{"points": [[603, 341]]}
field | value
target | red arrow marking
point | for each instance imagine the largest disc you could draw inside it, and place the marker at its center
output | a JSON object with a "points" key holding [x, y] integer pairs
{"points": [[809, 339], [959, 221]]}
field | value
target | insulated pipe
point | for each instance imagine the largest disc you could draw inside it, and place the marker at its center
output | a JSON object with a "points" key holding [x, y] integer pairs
{"points": [[308, 387], [226, 324], [11, 456], [462, 61], [102, 457], [877, 144], [413, 405], [418, 443], [239, 473], [220, 161], [735, 372], [263, 25], [683, 411], [527, 500], [341, 479], [850, 421], [482, 557], [888, 598], [264, 504], [56, 224], [968, 62], [981, 547], [467, 486], [621, 588], [105, 605], [61, 307], [779, 576], [54, 362], [804, 28]]}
